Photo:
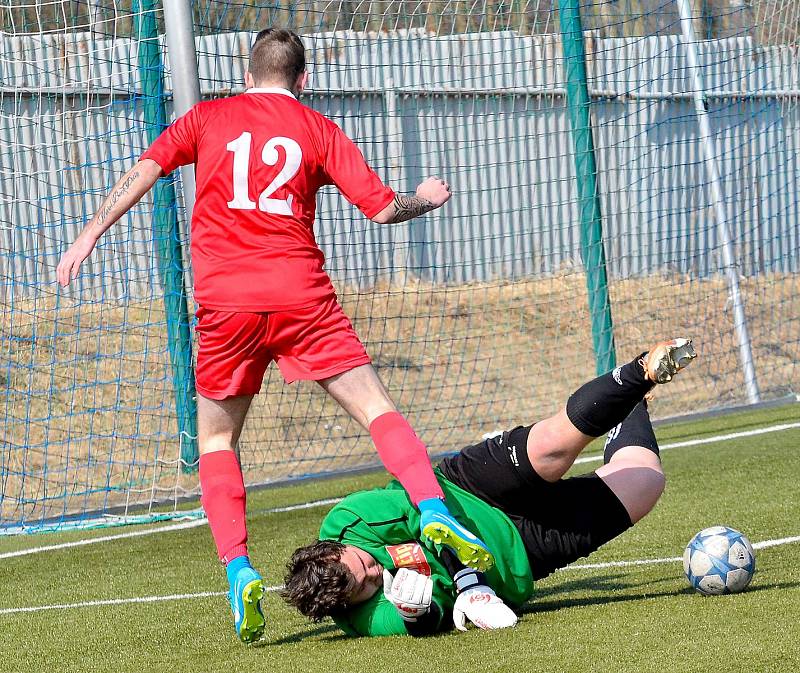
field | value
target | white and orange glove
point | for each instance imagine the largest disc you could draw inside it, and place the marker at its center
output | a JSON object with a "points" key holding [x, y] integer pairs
{"points": [[409, 591], [478, 602]]}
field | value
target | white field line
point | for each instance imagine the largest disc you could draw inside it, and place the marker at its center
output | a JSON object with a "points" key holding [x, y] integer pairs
{"points": [[302, 505], [331, 501], [775, 543], [708, 440], [208, 594], [105, 538], [653, 561], [113, 601], [159, 529], [121, 601]]}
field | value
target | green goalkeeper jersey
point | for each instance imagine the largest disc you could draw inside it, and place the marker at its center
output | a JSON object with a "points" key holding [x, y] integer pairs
{"points": [[384, 523]]}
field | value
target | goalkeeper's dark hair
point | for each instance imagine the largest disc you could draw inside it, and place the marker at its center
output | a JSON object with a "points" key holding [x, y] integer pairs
{"points": [[317, 583], [277, 55]]}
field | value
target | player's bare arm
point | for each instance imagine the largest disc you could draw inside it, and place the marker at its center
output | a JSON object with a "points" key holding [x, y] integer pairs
{"points": [[126, 193], [431, 194], [408, 207]]}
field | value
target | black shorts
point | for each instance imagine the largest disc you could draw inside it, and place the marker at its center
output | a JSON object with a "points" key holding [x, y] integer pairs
{"points": [[559, 522]]}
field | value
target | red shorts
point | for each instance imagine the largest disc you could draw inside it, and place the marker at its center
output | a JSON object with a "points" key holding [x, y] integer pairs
{"points": [[235, 349]]}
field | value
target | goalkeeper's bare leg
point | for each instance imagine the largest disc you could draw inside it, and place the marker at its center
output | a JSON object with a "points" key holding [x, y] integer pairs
{"points": [[633, 468]]}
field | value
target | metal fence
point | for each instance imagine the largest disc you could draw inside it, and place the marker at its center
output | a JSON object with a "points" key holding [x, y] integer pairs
{"points": [[97, 393], [486, 110]]}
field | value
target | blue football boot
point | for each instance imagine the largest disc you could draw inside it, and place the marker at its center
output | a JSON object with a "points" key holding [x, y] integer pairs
{"points": [[245, 595], [438, 525]]}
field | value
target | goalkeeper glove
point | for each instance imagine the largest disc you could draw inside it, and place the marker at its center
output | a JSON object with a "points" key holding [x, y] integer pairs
{"points": [[409, 591], [478, 602]]}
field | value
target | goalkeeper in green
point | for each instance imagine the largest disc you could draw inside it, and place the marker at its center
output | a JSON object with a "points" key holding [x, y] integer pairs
{"points": [[373, 573]]}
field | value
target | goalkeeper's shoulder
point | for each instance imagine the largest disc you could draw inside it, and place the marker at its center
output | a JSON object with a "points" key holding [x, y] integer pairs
{"points": [[377, 502], [364, 516]]}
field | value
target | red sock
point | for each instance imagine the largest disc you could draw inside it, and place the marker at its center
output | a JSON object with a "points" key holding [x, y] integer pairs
{"points": [[223, 500], [405, 456]]}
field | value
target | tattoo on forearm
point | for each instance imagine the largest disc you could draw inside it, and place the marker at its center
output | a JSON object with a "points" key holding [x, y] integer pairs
{"points": [[115, 197], [409, 206]]}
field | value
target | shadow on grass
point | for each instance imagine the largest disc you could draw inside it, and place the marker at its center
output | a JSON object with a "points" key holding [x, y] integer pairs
{"points": [[613, 583], [548, 599], [299, 637]]}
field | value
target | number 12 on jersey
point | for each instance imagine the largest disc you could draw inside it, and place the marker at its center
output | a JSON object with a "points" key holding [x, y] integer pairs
{"points": [[269, 155]]}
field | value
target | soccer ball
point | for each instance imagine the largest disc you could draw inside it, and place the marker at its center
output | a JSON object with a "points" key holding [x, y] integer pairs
{"points": [[719, 560]]}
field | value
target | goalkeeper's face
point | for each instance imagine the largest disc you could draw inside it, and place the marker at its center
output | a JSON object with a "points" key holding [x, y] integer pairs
{"points": [[366, 571]]}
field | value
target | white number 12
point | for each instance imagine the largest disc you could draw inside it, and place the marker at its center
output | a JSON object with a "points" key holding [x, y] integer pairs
{"points": [[269, 155]]}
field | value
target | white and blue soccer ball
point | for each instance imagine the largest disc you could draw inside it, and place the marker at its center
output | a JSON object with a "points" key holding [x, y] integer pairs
{"points": [[719, 560]]}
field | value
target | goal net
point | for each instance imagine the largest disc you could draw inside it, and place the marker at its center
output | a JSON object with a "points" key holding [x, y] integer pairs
{"points": [[622, 172]]}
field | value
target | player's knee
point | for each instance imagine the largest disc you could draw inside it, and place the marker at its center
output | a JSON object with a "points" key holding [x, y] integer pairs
{"points": [[553, 445], [375, 403], [551, 465], [361, 393], [549, 456], [656, 481], [638, 486], [375, 408], [650, 483], [218, 442]]}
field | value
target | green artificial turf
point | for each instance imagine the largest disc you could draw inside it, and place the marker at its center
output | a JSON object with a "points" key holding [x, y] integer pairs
{"points": [[620, 619]]}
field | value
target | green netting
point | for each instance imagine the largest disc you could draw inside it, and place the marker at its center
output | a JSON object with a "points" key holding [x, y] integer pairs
{"points": [[478, 315]]}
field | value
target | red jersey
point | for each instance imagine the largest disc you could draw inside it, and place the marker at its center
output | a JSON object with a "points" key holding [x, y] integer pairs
{"points": [[260, 159]]}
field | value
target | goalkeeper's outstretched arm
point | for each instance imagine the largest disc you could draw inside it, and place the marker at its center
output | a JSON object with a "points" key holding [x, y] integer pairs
{"points": [[126, 193]]}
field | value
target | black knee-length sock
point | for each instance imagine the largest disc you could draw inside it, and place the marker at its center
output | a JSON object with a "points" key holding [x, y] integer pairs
{"points": [[635, 430], [606, 401]]}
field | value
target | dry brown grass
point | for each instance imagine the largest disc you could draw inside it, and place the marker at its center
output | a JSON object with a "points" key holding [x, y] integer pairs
{"points": [[89, 418]]}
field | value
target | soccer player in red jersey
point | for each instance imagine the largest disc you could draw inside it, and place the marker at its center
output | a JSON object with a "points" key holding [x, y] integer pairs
{"points": [[263, 295]]}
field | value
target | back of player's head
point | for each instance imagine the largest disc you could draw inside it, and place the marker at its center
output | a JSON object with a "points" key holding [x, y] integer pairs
{"points": [[277, 55], [317, 583]]}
